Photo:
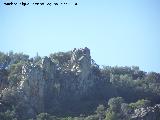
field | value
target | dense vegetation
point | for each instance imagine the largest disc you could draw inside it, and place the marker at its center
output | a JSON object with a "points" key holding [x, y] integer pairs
{"points": [[124, 89]]}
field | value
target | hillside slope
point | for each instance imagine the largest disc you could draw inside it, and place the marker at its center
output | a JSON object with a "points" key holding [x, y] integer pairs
{"points": [[70, 84]]}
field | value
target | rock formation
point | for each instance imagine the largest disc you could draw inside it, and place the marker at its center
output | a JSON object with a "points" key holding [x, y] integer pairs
{"points": [[47, 85], [148, 113], [56, 84]]}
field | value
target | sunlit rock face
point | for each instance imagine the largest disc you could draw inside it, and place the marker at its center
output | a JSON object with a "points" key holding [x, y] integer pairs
{"points": [[47, 85], [36, 80], [148, 113], [81, 66]]}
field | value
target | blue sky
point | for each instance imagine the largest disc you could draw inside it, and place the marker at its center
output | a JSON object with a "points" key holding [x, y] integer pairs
{"points": [[118, 32]]}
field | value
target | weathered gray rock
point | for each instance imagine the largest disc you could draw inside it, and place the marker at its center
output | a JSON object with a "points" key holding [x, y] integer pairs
{"points": [[47, 86], [81, 66], [35, 82], [148, 113]]}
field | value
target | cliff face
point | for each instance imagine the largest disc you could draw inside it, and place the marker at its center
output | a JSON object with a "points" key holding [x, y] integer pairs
{"points": [[48, 86], [36, 79]]}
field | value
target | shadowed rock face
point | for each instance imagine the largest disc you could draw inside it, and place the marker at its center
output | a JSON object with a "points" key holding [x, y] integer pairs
{"points": [[47, 87], [3, 79]]}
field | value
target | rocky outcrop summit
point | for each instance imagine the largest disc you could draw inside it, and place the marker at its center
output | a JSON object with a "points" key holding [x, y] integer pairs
{"points": [[48, 86]]}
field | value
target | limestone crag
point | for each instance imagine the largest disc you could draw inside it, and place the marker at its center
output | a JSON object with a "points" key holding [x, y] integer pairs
{"points": [[46, 84], [35, 79], [81, 66]]}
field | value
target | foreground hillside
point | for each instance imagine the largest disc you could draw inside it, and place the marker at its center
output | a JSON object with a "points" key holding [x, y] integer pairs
{"points": [[70, 85]]}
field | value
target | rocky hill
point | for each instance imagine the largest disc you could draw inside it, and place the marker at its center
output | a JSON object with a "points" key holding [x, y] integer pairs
{"points": [[70, 84]]}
